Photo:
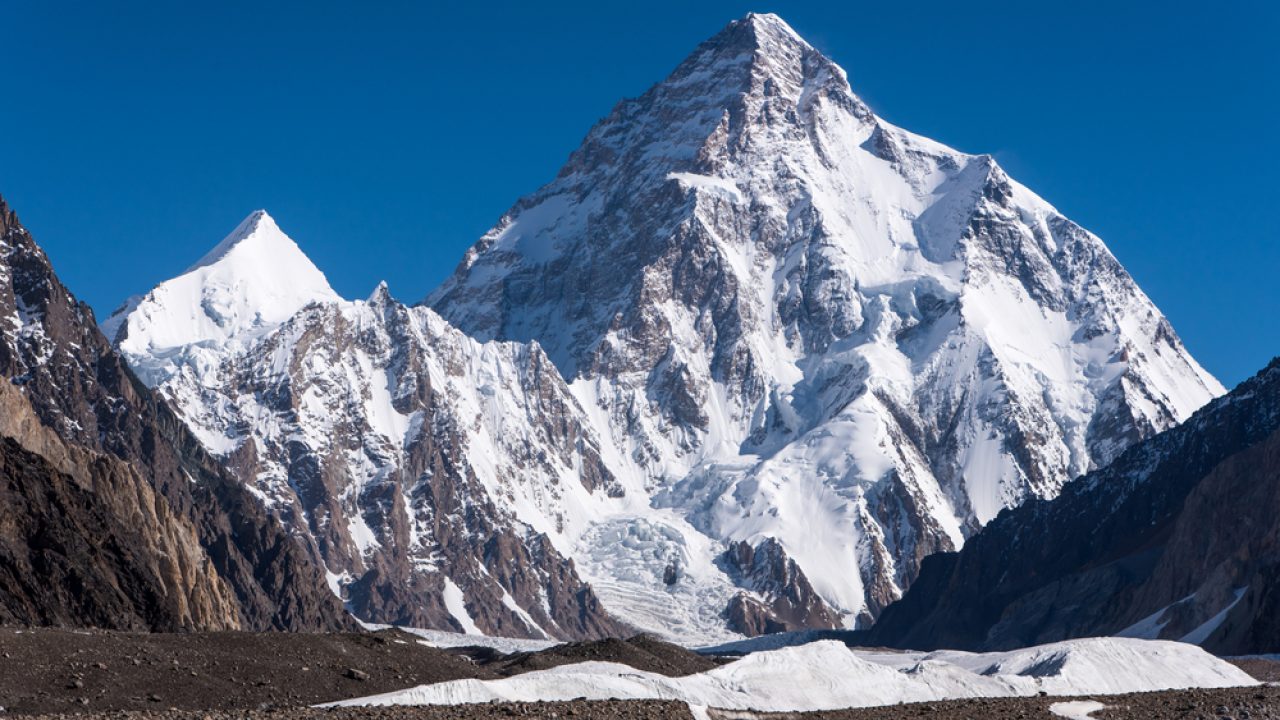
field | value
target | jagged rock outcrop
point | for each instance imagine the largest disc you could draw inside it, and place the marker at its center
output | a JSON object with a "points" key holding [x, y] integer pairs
{"points": [[784, 600], [1176, 539], [108, 492]]}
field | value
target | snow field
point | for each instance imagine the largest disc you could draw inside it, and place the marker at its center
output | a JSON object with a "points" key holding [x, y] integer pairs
{"points": [[827, 675]]}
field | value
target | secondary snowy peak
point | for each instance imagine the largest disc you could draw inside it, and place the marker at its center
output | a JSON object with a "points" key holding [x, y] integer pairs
{"points": [[248, 284], [390, 444], [257, 228], [792, 320]]}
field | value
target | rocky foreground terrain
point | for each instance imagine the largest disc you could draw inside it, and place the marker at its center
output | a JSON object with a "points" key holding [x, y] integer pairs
{"points": [[77, 671], [87, 674], [1241, 703]]}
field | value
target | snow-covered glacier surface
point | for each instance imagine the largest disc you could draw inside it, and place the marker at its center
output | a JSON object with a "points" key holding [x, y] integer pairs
{"points": [[751, 356], [827, 675]]}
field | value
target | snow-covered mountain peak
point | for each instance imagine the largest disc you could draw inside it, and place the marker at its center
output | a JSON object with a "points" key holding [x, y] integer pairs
{"points": [[798, 322], [759, 31], [258, 228], [768, 350], [739, 104], [250, 282], [755, 59], [381, 295]]}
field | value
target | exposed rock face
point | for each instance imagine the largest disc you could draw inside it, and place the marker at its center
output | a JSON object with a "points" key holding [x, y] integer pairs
{"points": [[387, 434], [786, 601], [109, 493], [796, 321], [1177, 540], [85, 542]]}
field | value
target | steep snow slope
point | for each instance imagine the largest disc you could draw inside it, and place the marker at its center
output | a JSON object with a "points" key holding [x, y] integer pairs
{"points": [[248, 284], [827, 676], [791, 320]]}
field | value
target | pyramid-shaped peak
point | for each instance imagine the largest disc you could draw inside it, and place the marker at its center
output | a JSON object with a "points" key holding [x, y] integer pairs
{"points": [[768, 25], [381, 295], [258, 226], [756, 55], [759, 32], [251, 282], [259, 251]]}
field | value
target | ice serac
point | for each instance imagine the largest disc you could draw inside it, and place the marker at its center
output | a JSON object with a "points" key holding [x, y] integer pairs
{"points": [[114, 515], [422, 468], [1174, 540], [789, 319]]}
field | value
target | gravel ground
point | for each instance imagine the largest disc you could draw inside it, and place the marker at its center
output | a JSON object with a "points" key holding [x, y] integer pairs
{"points": [[275, 676], [55, 671], [639, 652], [1264, 670], [631, 710], [48, 670], [1237, 703]]}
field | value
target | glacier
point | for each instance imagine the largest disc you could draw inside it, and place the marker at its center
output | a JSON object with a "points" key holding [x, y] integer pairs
{"points": [[826, 675]]}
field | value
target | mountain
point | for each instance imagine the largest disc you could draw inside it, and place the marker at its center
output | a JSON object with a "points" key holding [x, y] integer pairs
{"points": [[798, 323], [392, 444], [242, 289], [1176, 540], [747, 360], [115, 516]]}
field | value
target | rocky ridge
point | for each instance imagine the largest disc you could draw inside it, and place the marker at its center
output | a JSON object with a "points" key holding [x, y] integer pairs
{"points": [[392, 444]]}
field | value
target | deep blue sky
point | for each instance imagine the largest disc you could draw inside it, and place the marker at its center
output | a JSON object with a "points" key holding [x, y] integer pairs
{"points": [[386, 137]]}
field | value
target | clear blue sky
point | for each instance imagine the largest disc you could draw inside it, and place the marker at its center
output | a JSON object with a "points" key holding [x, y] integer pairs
{"points": [[386, 137]]}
